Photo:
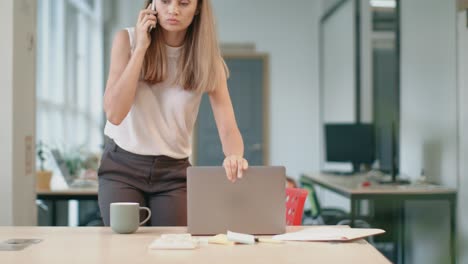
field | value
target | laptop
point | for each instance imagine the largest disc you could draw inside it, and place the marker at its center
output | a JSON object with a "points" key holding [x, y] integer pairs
{"points": [[255, 204], [71, 181]]}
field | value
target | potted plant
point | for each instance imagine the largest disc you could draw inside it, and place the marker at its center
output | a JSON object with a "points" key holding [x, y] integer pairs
{"points": [[82, 163], [43, 176]]}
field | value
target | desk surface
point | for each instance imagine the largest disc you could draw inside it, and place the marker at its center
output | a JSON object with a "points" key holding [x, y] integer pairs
{"points": [[352, 184], [101, 245], [68, 192]]}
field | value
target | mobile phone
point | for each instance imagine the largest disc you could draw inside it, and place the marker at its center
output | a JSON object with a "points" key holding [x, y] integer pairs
{"points": [[153, 7]]}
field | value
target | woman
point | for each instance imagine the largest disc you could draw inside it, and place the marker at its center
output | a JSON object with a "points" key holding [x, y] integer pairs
{"points": [[158, 73]]}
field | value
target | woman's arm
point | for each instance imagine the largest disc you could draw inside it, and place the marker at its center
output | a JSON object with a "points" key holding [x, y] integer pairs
{"points": [[123, 78], [125, 68], [231, 139]]}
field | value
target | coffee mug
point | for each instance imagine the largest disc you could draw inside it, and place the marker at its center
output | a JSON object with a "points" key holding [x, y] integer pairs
{"points": [[125, 217]]}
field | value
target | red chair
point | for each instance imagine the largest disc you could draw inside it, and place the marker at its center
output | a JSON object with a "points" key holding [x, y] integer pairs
{"points": [[295, 199]]}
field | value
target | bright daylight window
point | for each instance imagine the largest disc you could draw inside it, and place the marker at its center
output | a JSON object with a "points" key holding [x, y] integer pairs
{"points": [[70, 77]]}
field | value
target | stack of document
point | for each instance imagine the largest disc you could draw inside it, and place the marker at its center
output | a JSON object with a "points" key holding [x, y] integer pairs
{"points": [[329, 234]]}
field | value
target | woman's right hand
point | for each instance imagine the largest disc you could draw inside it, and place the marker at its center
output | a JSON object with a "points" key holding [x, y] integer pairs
{"points": [[146, 19]]}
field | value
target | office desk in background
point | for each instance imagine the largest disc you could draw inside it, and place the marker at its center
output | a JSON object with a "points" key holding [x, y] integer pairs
{"points": [[350, 186], [89, 194], [101, 245]]}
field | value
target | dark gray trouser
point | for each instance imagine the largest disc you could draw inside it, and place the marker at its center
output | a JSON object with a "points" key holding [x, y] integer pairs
{"points": [[157, 182]]}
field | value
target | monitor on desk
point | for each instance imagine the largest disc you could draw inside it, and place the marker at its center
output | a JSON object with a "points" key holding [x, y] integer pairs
{"points": [[350, 143]]}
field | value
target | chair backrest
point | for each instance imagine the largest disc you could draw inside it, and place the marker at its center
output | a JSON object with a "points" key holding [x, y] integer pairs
{"points": [[295, 199], [306, 183]]}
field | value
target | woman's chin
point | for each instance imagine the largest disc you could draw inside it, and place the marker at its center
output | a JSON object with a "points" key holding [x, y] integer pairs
{"points": [[173, 28]]}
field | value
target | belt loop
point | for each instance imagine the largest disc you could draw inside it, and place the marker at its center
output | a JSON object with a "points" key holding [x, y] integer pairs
{"points": [[115, 147], [112, 147]]}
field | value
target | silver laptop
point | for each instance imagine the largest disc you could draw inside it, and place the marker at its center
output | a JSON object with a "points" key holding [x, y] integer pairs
{"points": [[255, 204]]}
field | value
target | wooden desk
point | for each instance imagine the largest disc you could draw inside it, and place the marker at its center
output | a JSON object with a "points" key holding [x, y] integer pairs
{"points": [[65, 195], [75, 194], [100, 245], [350, 186]]}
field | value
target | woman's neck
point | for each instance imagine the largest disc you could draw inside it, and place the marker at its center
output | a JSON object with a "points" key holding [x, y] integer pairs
{"points": [[174, 39]]}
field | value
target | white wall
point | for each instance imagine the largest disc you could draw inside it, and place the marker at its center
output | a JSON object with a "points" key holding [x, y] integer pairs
{"points": [[463, 144], [428, 90], [17, 112], [428, 120], [6, 80], [287, 31], [327, 4], [339, 50], [118, 14], [339, 66]]}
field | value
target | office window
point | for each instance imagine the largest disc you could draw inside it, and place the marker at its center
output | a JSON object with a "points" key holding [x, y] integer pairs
{"points": [[70, 73]]}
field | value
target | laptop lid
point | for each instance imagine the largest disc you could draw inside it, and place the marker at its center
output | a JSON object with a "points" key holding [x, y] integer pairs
{"points": [[62, 165], [255, 204]]}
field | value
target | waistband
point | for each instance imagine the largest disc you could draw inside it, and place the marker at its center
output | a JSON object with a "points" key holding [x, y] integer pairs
{"points": [[112, 146]]}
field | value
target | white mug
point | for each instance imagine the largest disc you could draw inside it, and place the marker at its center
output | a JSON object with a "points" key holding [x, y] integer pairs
{"points": [[125, 217]]}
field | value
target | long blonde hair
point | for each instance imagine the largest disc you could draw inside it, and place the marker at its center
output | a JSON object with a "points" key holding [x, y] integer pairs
{"points": [[200, 65]]}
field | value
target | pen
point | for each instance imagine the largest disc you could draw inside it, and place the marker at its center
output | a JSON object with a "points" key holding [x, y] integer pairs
{"points": [[268, 240], [249, 239]]}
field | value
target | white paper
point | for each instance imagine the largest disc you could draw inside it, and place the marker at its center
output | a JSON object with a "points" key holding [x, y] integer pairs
{"points": [[174, 241], [240, 238], [329, 234]]}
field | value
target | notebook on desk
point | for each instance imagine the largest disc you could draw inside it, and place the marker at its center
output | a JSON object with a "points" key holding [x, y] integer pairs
{"points": [[255, 204]]}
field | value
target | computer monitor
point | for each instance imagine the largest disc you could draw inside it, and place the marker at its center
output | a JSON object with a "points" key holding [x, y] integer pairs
{"points": [[353, 143]]}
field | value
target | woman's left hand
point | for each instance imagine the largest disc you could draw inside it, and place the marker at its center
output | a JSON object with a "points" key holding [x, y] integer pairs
{"points": [[235, 166]]}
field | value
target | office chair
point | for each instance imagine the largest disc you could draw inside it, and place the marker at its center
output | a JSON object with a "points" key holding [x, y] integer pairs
{"points": [[295, 199], [317, 215]]}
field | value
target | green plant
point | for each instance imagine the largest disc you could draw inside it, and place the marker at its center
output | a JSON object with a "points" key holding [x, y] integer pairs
{"points": [[78, 158], [73, 164]]}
